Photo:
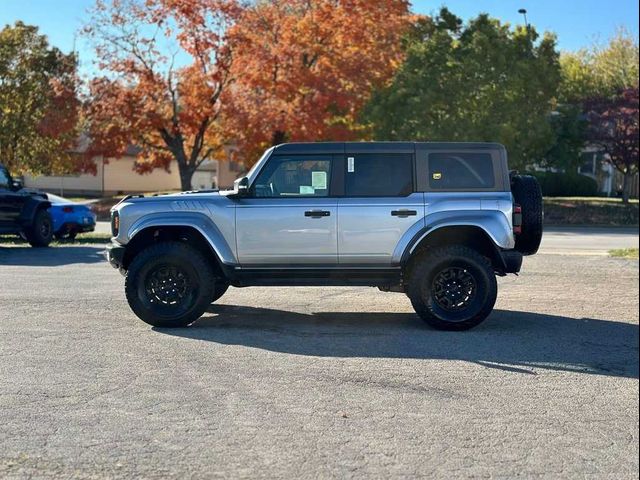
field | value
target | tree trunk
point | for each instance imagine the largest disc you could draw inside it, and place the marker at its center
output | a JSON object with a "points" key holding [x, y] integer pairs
{"points": [[186, 174], [278, 137], [184, 168], [626, 186]]}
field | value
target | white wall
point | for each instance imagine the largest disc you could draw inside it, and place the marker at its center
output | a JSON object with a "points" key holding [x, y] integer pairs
{"points": [[117, 175]]}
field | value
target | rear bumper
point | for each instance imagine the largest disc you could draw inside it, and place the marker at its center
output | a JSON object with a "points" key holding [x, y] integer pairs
{"points": [[115, 255], [511, 261], [76, 227]]}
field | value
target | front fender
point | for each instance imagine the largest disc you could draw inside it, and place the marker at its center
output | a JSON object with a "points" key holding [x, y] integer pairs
{"points": [[493, 222], [201, 222], [31, 206]]}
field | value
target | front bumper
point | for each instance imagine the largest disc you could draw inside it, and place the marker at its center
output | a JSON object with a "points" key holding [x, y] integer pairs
{"points": [[115, 255]]}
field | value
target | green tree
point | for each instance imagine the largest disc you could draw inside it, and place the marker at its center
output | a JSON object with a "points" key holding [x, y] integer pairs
{"points": [[483, 81], [602, 70], [38, 102], [569, 127]]}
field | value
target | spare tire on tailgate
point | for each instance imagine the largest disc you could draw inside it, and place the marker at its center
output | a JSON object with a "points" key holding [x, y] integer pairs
{"points": [[528, 194]]}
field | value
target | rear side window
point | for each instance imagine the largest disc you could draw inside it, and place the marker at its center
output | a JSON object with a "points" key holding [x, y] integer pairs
{"points": [[379, 175], [456, 171]]}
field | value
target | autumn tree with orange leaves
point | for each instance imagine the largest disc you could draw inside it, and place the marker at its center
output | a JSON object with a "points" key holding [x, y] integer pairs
{"points": [[303, 69], [165, 65]]}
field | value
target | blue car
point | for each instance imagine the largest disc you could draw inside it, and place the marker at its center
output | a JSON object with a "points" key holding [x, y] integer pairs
{"points": [[70, 218]]}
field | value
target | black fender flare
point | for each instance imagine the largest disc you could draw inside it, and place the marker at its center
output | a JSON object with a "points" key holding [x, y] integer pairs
{"points": [[504, 261], [31, 207]]}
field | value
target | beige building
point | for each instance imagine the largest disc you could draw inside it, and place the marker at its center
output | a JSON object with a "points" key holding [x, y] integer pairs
{"points": [[117, 176]]}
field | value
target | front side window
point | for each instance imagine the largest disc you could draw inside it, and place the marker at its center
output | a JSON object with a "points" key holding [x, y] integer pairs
{"points": [[294, 176], [379, 175], [4, 179], [459, 171]]}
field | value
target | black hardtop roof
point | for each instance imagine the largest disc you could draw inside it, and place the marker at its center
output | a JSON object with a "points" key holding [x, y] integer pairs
{"points": [[377, 147]]}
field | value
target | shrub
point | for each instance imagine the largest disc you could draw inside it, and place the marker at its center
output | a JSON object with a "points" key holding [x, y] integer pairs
{"points": [[566, 184]]}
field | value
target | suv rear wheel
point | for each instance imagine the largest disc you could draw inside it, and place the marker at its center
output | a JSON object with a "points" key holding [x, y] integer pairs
{"points": [[452, 288], [169, 285], [40, 233]]}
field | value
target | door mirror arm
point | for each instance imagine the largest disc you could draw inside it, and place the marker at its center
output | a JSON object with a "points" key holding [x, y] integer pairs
{"points": [[241, 187]]}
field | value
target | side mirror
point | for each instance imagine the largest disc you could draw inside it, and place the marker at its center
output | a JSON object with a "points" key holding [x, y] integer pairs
{"points": [[241, 186], [17, 185]]}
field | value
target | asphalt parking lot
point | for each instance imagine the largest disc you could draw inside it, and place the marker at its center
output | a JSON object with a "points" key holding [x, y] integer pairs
{"points": [[317, 382]]}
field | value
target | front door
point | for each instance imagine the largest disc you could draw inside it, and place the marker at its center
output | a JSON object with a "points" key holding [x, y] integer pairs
{"points": [[288, 218], [378, 208], [10, 202]]}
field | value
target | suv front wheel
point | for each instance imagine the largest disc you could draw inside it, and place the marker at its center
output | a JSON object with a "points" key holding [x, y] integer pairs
{"points": [[169, 285], [452, 288]]}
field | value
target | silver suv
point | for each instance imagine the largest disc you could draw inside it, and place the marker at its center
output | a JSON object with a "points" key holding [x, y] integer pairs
{"points": [[437, 221]]}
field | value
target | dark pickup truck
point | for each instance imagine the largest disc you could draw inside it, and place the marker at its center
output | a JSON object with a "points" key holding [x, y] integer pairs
{"points": [[23, 212]]}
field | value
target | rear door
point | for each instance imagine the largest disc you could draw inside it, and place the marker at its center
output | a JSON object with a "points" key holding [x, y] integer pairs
{"points": [[289, 217], [379, 205]]}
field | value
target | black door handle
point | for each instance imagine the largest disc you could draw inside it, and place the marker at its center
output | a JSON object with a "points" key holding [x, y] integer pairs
{"points": [[403, 213], [316, 213]]}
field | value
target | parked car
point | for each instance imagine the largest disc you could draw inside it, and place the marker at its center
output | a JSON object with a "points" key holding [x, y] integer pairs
{"points": [[24, 213], [70, 218], [436, 221]]}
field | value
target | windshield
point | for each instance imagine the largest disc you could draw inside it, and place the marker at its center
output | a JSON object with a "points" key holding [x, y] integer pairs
{"points": [[257, 165]]}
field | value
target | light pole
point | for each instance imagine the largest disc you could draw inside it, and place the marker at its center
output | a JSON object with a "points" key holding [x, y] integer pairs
{"points": [[523, 12]]}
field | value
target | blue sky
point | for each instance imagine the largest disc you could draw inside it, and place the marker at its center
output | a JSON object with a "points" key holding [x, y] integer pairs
{"points": [[578, 23]]}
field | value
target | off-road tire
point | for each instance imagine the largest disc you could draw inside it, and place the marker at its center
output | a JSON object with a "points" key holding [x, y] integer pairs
{"points": [[40, 233], [429, 265], [200, 284], [528, 194]]}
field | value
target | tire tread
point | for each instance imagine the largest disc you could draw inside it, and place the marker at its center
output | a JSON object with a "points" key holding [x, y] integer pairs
{"points": [[205, 273], [420, 268]]}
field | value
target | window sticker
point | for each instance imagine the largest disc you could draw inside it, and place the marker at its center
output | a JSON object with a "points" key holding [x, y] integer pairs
{"points": [[307, 190], [319, 180], [437, 175]]}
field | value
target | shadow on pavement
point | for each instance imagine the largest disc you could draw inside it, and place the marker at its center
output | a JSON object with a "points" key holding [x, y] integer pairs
{"points": [[516, 342], [51, 256]]}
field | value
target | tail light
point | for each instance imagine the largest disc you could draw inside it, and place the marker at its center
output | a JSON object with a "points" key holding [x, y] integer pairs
{"points": [[115, 223], [517, 219], [67, 209]]}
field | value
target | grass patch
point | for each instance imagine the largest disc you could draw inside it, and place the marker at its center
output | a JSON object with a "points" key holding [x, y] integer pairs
{"points": [[82, 239], [590, 211], [625, 253]]}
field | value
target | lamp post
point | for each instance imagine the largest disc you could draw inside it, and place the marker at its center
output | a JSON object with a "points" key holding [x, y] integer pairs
{"points": [[523, 12]]}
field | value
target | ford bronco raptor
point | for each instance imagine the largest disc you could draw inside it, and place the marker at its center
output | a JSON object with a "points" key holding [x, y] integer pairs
{"points": [[24, 213], [437, 221]]}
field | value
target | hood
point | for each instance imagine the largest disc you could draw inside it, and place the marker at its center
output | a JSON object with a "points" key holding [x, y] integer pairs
{"points": [[139, 199]]}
